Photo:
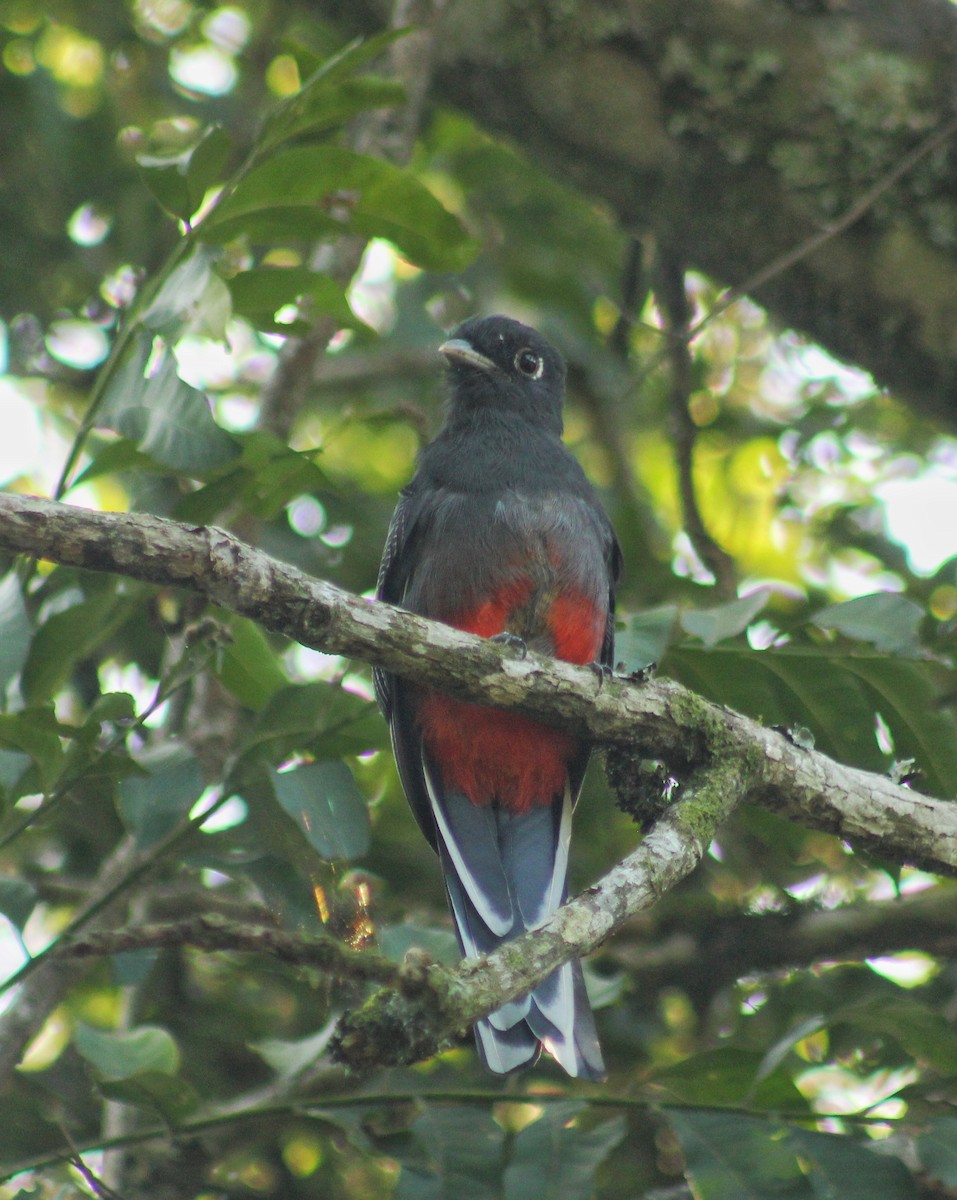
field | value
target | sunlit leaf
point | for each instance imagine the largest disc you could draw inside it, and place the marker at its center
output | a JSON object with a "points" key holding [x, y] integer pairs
{"points": [[179, 181], [16, 630], [325, 802], [259, 293], [724, 621], [367, 195], [118, 1054], [248, 665], [162, 415], [888, 621]]}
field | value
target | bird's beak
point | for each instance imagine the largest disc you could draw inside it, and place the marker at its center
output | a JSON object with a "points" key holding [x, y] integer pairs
{"points": [[458, 350]]}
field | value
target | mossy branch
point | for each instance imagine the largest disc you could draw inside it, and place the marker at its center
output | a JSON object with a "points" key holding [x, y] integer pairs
{"points": [[724, 758]]}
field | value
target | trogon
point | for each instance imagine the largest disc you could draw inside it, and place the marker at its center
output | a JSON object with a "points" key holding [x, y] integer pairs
{"points": [[501, 534]]}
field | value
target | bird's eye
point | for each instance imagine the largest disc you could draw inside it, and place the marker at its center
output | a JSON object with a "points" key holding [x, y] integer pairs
{"points": [[529, 364]]}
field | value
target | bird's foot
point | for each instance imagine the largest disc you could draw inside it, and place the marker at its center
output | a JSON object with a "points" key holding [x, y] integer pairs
{"points": [[641, 675], [603, 671], [512, 641]]}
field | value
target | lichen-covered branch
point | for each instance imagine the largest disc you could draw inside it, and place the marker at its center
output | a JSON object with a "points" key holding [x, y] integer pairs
{"points": [[404, 1026], [211, 932], [658, 718], [747, 134]]}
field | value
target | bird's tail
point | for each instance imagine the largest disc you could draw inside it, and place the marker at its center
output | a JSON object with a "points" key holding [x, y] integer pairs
{"points": [[559, 1019], [556, 1016], [505, 874]]}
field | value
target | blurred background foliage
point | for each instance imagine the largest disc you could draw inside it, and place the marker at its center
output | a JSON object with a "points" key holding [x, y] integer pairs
{"points": [[178, 182]]}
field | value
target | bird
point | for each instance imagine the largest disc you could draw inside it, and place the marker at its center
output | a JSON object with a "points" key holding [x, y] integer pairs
{"points": [[501, 534]]}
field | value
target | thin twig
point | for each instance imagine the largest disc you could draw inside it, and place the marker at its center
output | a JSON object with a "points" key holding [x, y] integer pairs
{"points": [[789, 258], [211, 933], [387, 134], [673, 302]]}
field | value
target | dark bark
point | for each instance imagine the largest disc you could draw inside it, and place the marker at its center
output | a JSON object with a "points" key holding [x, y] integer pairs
{"points": [[735, 132]]}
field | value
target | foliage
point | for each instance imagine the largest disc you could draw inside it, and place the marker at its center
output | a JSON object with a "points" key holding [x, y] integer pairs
{"points": [[175, 236]]}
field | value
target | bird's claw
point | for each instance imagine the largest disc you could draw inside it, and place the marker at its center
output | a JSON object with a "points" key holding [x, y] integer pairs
{"points": [[512, 641], [603, 671]]}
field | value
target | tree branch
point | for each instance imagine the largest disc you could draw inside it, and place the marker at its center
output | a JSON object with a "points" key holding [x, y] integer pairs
{"points": [[390, 134], [659, 719], [673, 302], [210, 932], [702, 952]]}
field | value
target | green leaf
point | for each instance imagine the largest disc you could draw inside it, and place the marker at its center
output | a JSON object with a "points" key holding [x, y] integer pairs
{"points": [[13, 764], [179, 181], [464, 1154], [724, 621], [259, 293], [69, 635], [888, 621], [321, 105], [115, 458], [836, 696], [193, 299], [156, 1091], [920, 1031], [16, 631], [646, 637], [733, 1157], [120, 1054], [553, 1157], [163, 416], [937, 1150], [110, 708], [331, 92], [17, 900], [289, 1058], [271, 225], [728, 1077], [325, 802], [370, 196], [842, 1169], [729, 1157], [37, 732], [153, 804], [316, 718], [207, 161], [267, 476], [248, 666]]}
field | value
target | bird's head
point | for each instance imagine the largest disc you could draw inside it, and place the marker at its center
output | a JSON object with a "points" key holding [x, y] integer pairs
{"points": [[496, 362]]}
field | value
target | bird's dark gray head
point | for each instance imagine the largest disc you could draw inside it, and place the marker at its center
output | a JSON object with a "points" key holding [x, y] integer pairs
{"points": [[498, 363]]}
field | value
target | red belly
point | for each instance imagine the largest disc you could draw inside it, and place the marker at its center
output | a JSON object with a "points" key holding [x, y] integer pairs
{"points": [[490, 755]]}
